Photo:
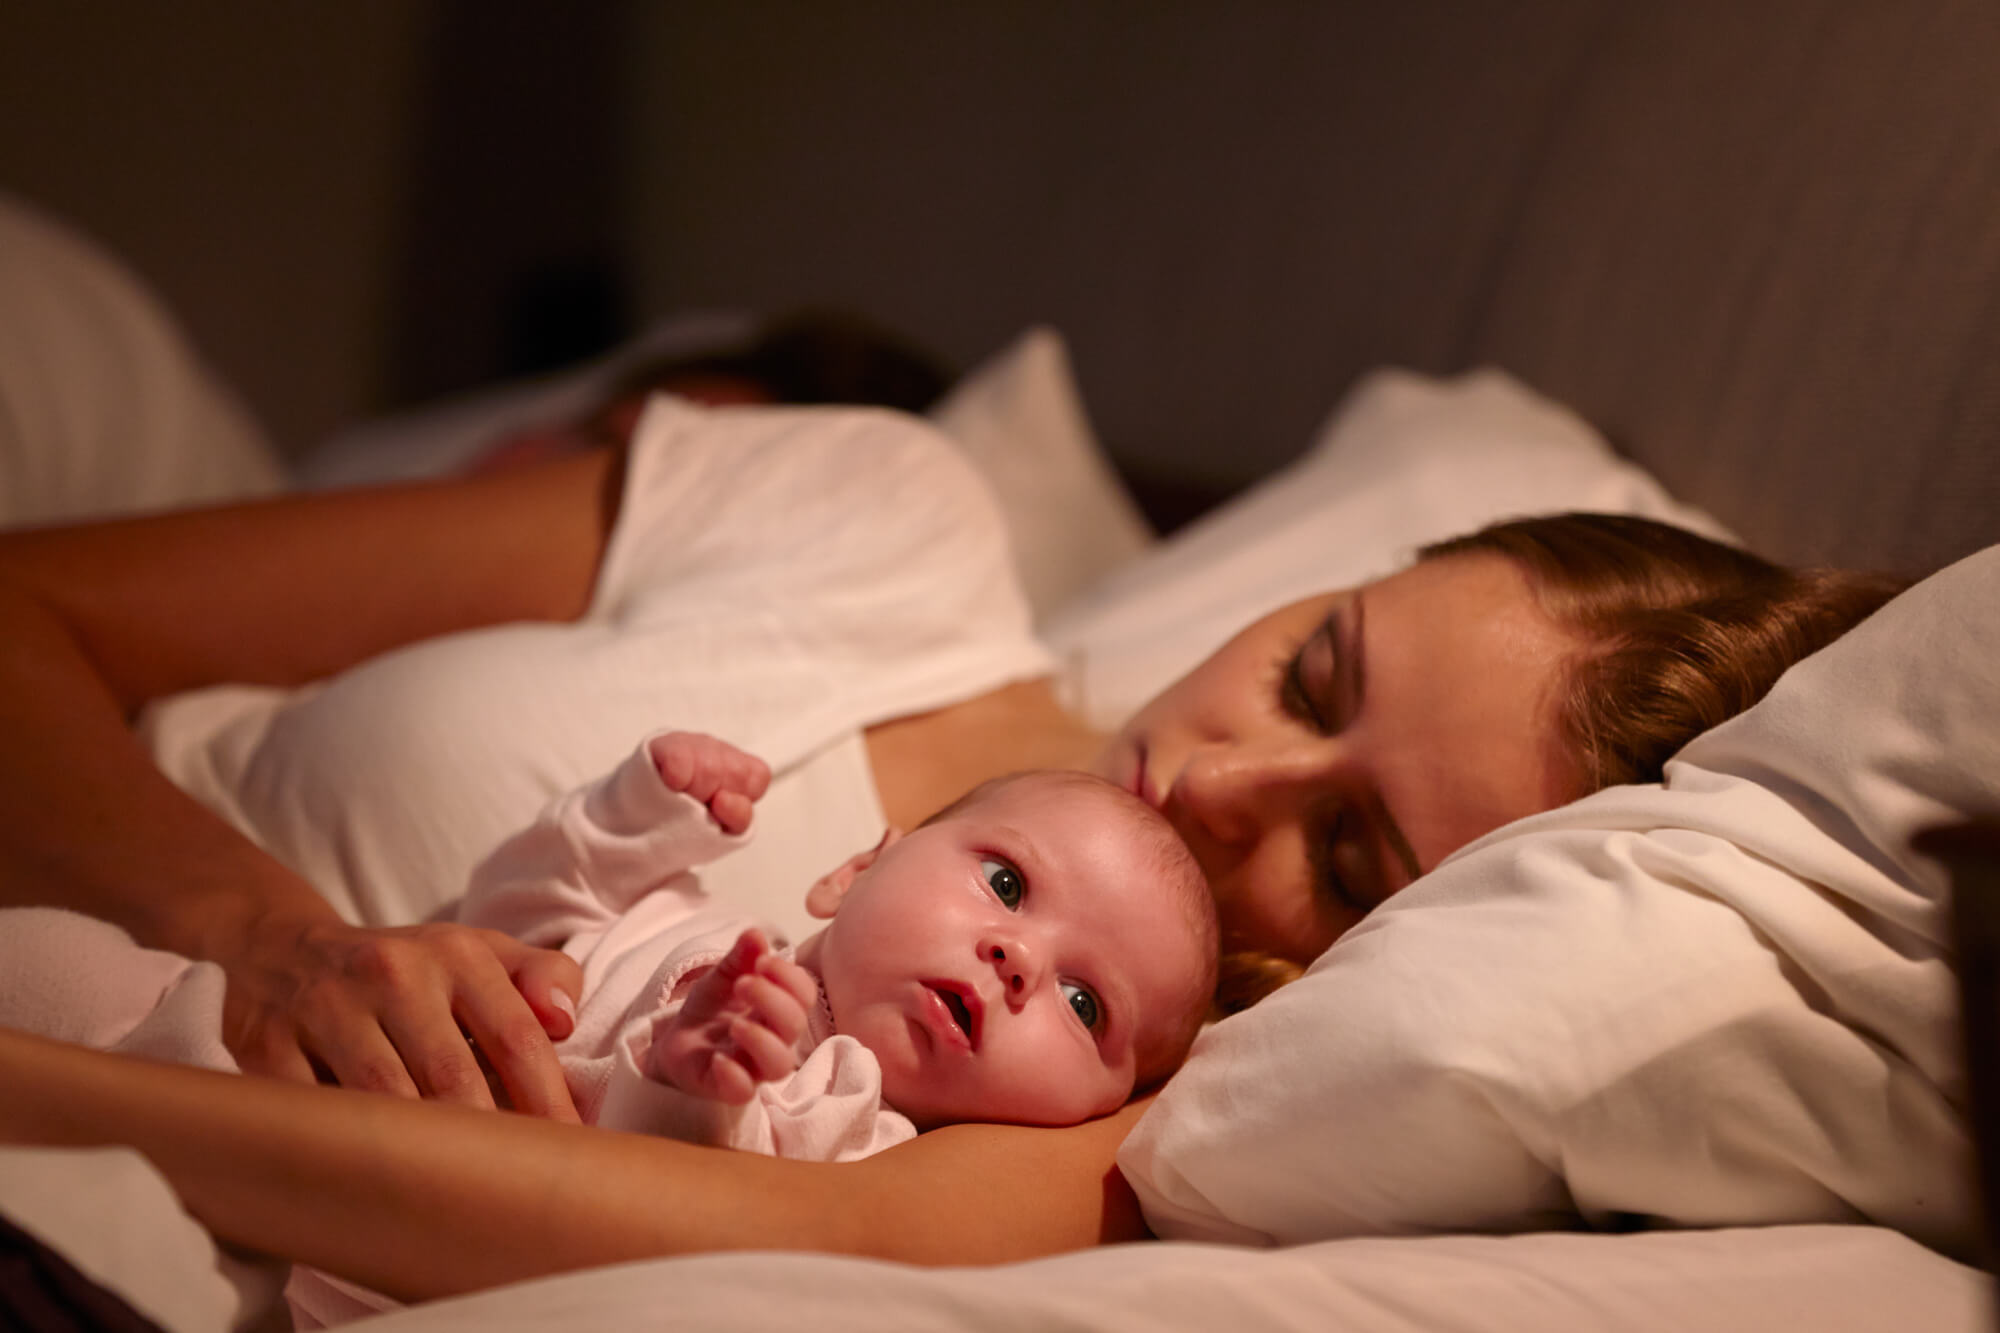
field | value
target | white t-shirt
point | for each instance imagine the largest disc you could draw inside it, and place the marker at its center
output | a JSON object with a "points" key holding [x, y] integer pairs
{"points": [[779, 577]]}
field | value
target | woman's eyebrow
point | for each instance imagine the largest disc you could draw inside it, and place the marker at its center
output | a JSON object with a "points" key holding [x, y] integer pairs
{"points": [[1353, 664]]}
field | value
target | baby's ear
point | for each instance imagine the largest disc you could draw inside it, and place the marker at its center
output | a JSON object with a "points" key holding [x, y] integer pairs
{"points": [[823, 899]]}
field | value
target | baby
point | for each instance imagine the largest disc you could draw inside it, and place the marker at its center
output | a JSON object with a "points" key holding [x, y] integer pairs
{"points": [[1032, 954]]}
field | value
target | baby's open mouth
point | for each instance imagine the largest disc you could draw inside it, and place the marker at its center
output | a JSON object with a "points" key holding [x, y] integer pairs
{"points": [[959, 1013], [961, 1002]]}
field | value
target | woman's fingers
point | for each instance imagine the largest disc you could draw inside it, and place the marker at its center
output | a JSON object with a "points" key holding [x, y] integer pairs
{"points": [[270, 1048], [502, 1016], [381, 1017], [549, 980], [353, 1047], [401, 1011], [296, 1008]]}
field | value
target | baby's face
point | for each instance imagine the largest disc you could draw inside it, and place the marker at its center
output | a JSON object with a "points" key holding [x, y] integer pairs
{"points": [[1012, 960]]}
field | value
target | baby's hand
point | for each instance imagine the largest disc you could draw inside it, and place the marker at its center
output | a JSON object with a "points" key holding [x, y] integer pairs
{"points": [[738, 1026], [714, 772]]}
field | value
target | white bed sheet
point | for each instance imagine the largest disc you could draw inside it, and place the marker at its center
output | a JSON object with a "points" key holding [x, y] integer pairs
{"points": [[1826, 1279]]}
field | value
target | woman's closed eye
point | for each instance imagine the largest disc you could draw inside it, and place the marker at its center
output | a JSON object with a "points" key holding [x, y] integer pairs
{"points": [[1306, 685], [1005, 881], [1292, 696], [1339, 865], [1083, 1002]]}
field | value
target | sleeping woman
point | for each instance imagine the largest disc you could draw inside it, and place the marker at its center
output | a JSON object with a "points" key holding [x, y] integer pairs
{"points": [[419, 666]]}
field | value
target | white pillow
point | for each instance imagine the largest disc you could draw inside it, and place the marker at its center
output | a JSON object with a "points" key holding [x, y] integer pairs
{"points": [[104, 406], [1405, 460], [1724, 1000], [1022, 421]]}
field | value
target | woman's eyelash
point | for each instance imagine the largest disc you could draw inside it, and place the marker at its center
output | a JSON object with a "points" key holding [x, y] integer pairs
{"points": [[1293, 696], [1328, 874]]}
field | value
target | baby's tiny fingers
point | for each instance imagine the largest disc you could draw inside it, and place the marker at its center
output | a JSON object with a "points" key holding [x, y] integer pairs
{"points": [[796, 980], [720, 767], [758, 947], [728, 1080], [773, 1007], [748, 775], [673, 758], [711, 992], [761, 1051], [731, 811], [743, 958]]}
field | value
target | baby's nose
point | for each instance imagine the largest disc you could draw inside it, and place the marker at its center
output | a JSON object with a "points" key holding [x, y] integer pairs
{"points": [[1016, 963]]}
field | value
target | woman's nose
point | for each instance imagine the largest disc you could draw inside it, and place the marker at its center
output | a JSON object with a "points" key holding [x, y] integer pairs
{"points": [[1016, 962], [1235, 792]]}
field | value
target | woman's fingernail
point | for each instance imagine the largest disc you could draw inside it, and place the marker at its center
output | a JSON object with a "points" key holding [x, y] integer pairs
{"points": [[560, 999]]}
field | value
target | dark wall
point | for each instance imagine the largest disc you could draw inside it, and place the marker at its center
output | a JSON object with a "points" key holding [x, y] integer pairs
{"points": [[509, 262], [1757, 243], [248, 159], [350, 206]]}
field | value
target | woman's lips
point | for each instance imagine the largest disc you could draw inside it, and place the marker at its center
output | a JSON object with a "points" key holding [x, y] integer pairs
{"points": [[1142, 781], [1124, 764]]}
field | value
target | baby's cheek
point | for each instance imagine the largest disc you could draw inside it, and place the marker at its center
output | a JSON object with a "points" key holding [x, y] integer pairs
{"points": [[1118, 1091], [1084, 1090]]}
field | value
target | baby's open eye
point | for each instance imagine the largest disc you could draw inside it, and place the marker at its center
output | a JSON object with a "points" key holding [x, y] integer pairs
{"points": [[1004, 880], [1083, 1004]]}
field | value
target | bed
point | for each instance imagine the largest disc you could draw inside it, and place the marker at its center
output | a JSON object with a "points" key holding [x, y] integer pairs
{"points": [[1756, 252]]}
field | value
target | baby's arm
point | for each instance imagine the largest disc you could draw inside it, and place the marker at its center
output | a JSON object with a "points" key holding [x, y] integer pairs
{"points": [[677, 801], [739, 1026]]}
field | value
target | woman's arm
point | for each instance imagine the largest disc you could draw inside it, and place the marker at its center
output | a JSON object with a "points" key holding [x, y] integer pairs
{"points": [[420, 1199], [97, 619]]}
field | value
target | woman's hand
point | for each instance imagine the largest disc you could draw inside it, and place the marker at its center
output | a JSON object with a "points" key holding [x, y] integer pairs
{"points": [[401, 1010], [98, 619]]}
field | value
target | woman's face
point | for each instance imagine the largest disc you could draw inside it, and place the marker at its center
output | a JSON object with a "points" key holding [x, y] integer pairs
{"points": [[1343, 745]]}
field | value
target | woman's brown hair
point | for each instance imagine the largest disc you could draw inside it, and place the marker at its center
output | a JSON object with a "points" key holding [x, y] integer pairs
{"points": [[1678, 633]]}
